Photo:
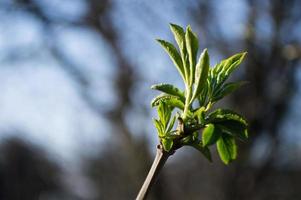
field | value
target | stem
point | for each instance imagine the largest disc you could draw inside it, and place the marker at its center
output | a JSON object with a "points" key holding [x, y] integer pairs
{"points": [[160, 159], [187, 102]]}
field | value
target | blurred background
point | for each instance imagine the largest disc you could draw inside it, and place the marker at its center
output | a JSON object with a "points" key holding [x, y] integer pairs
{"points": [[75, 116]]}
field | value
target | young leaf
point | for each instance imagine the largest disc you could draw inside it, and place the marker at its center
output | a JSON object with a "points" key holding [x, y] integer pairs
{"points": [[200, 114], [203, 97], [167, 144], [235, 61], [171, 124], [207, 85], [174, 55], [221, 115], [228, 66], [159, 127], [187, 140], [164, 112], [201, 74], [227, 148], [234, 128], [170, 89], [227, 89], [195, 136], [179, 35], [192, 45], [210, 134], [172, 135], [218, 67], [170, 100], [204, 150]]}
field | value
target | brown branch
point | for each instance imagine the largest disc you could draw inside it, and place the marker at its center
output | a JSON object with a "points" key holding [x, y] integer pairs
{"points": [[159, 161]]}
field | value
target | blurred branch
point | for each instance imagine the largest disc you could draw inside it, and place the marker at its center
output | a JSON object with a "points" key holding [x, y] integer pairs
{"points": [[128, 156], [98, 19]]}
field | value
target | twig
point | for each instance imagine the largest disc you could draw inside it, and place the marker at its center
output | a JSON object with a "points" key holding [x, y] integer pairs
{"points": [[159, 161]]}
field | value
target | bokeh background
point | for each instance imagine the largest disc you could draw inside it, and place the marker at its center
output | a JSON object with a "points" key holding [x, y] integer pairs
{"points": [[75, 119]]}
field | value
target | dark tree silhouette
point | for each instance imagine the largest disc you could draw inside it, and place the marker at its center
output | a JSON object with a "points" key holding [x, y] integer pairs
{"points": [[27, 173]]}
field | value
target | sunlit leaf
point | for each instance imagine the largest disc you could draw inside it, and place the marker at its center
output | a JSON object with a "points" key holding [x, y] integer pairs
{"points": [[200, 114], [227, 148], [171, 124], [234, 61], [164, 113], [159, 127], [201, 74], [218, 67], [170, 100], [179, 35], [192, 45], [203, 97], [167, 144], [172, 136], [228, 66], [208, 85], [170, 89], [210, 134], [174, 55]]}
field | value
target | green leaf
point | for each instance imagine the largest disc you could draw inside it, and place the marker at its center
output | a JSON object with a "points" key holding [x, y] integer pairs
{"points": [[234, 128], [221, 115], [172, 136], [170, 89], [195, 135], [187, 140], [159, 127], [227, 89], [179, 35], [227, 148], [200, 114], [164, 112], [218, 67], [201, 74], [171, 124], [203, 97], [211, 83], [230, 122], [174, 55], [167, 144], [210, 134], [170, 100], [192, 45], [227, 66], [234, 61], [204, 150]]}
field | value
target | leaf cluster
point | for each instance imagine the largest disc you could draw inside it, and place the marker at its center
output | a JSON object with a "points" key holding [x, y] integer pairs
{"points": [[204, 86]]}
